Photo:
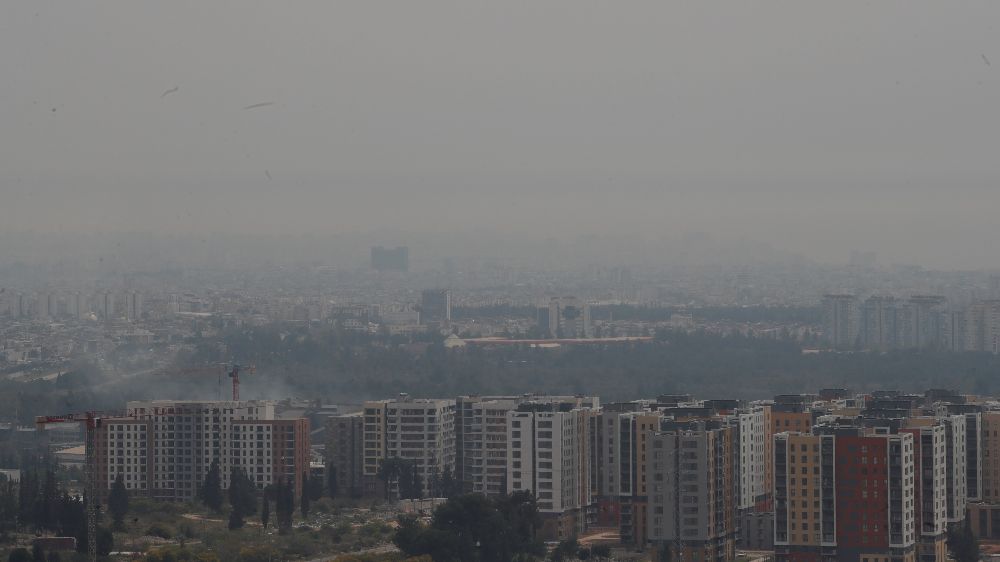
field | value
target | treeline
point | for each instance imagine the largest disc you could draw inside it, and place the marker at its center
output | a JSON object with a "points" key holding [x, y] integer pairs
{"points": [[477, 528], [38, 504], [325, 364], [245, 500], [629, 312], [341, 366]]}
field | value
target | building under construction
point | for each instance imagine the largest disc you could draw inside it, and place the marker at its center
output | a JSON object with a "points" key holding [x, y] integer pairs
{"points": [[163, 448]]}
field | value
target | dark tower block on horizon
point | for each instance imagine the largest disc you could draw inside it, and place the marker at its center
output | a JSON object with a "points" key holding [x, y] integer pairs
{"points": [[435, 306]]}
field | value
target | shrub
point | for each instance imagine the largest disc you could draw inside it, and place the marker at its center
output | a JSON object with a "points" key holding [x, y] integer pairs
{"points": [[159, 531]]}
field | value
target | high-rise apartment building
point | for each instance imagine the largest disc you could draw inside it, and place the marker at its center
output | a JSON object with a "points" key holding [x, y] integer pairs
{"points": [[133, 306], [930, 481], [754, 425], [956, 474], [692, 485], [435, 306], [548, 451], [481, 442], [107, 305], [623, 449], [879, 323], [344, 454], [982, 326], [922, 321], [76, 305], [569, 317], [415, 429], [844, 493], [984, 515], [840, 320], [163, 449]]}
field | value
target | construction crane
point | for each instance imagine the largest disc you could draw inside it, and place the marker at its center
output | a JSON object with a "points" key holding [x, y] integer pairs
{"points": [[232, 371], [91, 421]]}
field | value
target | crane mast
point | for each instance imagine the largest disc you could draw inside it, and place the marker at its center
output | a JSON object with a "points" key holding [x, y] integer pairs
{"points": [[91, 421]]}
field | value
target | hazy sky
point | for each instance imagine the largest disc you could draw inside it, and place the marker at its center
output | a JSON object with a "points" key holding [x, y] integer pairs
{"points": [[815, 127]]}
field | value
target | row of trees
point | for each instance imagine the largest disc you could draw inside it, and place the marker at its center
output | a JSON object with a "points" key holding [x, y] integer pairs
{"points": [[243, 497], [476, 528], [38, 504], [324, 362], [403, 475]]}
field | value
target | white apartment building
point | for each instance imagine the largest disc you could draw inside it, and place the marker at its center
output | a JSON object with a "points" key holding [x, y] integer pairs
{"points": [[481, 436], [955, 446], [164, 448], [481, 430], [930, 442], [418, 429], [548, 453], [754, 450]]}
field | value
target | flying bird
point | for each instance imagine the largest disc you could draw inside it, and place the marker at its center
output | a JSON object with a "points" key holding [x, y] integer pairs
{"points": [[986, 60], [170, 91], [261, 104]]}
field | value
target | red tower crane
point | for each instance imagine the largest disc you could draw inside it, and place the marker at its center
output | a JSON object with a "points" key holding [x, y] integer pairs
{"points": [[232, 371]]}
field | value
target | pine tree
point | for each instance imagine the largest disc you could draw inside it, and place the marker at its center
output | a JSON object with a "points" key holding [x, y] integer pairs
{"points": [[26, 499], [265, 513], [48, 502], [211, 488], [284, 505], [450, 487], [242, 492], [304, 497], [331, 481], [118, 502], [235, 519], [8, 505], [19, 555], [315, 488]]}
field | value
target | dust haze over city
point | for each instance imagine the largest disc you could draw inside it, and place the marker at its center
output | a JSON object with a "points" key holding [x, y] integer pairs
{"points": [[811, 130], [297, 229]]}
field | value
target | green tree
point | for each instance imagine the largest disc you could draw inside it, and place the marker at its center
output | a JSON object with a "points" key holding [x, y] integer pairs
{"points": [[118, 502], [210, 492], [473, 528], [19, 555], [315, 487], [565, 550], [105, 541], [265, 512], [284, 505], [235, 519], [72, 518], [331, 480], [242, 492], [304, 497], [8, 504], [962, 543], [47, 503], [54, 556], [37, 553], [449, 486], [601, 551], [242, 497]]}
